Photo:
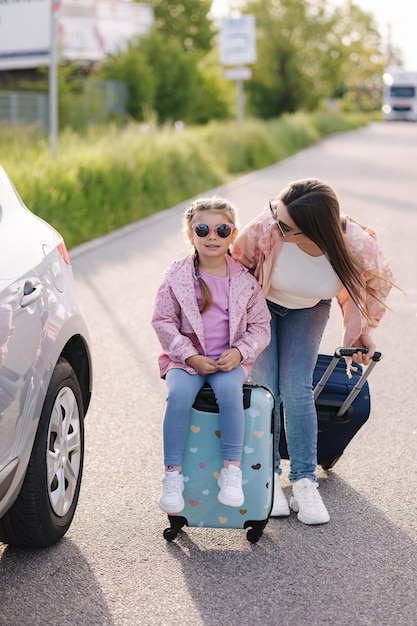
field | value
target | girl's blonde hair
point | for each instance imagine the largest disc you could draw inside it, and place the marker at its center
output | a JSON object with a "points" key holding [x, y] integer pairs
{"points": [[213, 204]]}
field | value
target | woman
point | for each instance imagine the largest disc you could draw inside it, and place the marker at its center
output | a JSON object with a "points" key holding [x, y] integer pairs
{"points": [[304, 253]]}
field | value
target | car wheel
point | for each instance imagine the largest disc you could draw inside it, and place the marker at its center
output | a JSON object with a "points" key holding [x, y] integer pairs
{"points": [[46, 504]]}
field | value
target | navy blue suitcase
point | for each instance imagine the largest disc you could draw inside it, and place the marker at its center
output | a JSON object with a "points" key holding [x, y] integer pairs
{"points": [[343, 405], [203, 460]]}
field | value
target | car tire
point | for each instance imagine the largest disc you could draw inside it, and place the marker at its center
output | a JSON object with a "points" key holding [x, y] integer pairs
{"points": [[46, 504]]}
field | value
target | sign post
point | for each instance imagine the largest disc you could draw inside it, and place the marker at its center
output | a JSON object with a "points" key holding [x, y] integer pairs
{"points": [[53, 78], [238, 47]]}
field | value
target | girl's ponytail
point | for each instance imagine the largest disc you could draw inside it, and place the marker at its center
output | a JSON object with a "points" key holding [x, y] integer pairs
{"points": [[206, 297]]}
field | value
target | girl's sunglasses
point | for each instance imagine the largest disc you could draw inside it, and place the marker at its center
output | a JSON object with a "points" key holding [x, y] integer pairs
{"points": [[222, 230]]}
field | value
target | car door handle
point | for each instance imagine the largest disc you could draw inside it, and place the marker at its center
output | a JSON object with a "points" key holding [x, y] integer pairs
{"points": [[31, 297]]}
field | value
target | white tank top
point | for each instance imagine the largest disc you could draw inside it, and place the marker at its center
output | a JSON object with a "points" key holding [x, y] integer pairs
{"points": [[300, 281]]}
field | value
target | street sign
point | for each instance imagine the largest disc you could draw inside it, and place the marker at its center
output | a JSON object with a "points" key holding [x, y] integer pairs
{"points": [[238, 73], [237, 40]]}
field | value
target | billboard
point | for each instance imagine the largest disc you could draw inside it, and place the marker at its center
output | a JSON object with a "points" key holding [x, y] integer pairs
{"points": [[24, 33], [87, 30]]}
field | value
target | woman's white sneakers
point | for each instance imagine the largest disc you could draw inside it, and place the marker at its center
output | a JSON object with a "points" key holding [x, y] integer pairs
{"points": [[305, 500], [280, 506]]}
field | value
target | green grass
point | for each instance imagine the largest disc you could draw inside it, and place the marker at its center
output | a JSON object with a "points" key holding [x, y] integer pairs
{"points": [[111, 177]]}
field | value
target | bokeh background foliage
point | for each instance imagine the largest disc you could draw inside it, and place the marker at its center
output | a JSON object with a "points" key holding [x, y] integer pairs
{"points": [[111, 176]]}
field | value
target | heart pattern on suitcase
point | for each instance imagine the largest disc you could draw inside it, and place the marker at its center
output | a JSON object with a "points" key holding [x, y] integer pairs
{"points": [[203, 460]]}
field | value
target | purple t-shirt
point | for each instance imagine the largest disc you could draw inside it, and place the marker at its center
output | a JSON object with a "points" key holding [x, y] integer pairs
{"points": [[216, 318]]}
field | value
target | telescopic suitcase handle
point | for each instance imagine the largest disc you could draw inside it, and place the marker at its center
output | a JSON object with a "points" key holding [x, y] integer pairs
{"points": [[339, 353]]}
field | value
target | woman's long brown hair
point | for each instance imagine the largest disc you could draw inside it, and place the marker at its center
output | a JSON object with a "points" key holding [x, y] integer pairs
{"points": [[314, 208]]}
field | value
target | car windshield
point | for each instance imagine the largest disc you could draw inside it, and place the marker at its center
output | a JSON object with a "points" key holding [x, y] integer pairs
{"points": [[402, 92]]}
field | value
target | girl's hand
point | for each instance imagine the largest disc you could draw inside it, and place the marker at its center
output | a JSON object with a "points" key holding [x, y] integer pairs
{"points": [[229, 360], [202, 364]]}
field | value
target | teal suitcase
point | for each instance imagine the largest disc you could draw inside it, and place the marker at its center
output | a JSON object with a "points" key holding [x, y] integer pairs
{"points": [[203, 461]]}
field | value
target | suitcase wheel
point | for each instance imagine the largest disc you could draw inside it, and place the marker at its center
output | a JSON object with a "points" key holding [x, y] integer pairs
{"points": [[329, 463], [255, 533], [177, 522]]}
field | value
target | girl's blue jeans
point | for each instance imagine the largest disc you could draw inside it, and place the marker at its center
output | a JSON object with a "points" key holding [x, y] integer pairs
{"points": [[182, 391], [286, 366]]}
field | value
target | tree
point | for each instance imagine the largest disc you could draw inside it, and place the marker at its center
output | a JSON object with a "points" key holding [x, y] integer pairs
{"points": [[176, 76], [291, 36], [307, 52], [169, 70], [216, 96], [132, 67], [360, 55], [186, 21]]}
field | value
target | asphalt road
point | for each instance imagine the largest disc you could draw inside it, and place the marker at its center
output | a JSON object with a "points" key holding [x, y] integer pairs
{"points": [[114, 567]]}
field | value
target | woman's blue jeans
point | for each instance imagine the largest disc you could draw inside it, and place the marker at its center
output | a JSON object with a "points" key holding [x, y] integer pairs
{"points": [[182, 391], [286, 366]]}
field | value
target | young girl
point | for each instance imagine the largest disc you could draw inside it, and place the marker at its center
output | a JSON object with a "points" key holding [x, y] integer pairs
{"points": [[304, 253], [212, 322]]}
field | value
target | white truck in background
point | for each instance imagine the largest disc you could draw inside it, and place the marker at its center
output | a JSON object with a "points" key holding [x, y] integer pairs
{"points": [[399, 100]]}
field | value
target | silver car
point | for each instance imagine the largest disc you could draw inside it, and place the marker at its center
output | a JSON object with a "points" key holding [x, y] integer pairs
{"points": [[45, 378]]}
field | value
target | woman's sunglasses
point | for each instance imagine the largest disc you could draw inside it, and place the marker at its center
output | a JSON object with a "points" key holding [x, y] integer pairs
{"points": [[285, 230], [222, 230]]}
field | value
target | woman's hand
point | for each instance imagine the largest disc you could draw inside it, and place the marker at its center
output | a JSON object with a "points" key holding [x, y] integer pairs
{"points": [[365, 341]]}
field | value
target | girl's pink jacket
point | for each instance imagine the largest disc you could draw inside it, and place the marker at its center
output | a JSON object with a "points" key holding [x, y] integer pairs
{"points": [[179, 325], [258, 247]]}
